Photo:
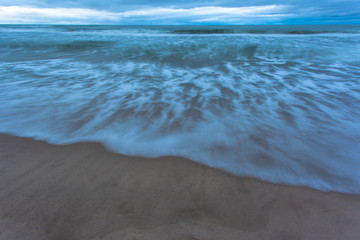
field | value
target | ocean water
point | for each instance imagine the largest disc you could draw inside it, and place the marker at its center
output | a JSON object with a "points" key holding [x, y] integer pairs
{"points": [[278, 103]]}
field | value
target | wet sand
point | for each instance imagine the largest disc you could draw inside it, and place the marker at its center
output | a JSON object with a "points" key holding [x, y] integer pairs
{"points": [[82, 191]]}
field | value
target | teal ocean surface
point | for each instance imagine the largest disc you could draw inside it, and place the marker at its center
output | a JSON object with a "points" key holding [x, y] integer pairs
{"points": [[278, 103]]}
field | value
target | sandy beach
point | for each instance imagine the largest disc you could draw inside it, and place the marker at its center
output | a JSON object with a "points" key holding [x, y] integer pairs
{"points": [[82, 191]]}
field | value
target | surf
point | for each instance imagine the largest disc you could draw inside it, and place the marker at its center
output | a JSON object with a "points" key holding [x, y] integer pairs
{"points": [[278, 105]]}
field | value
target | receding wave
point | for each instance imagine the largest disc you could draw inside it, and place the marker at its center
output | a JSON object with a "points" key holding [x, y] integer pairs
{"points": [[280, 108]]}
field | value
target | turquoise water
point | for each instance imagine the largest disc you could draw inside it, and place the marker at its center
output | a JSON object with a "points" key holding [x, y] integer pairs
{"points": [[279, 103]]}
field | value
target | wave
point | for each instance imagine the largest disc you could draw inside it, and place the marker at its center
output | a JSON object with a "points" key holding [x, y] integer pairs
{"points": [[175, 50], [192, 30], [60, 46], [258, 31], [279, 108]]}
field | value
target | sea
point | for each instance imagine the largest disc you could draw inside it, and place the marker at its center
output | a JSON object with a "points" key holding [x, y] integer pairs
{"points": [[277, 103]]}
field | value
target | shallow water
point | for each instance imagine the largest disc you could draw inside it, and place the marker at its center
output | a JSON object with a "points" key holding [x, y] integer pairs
{"points": [[280, 103]]}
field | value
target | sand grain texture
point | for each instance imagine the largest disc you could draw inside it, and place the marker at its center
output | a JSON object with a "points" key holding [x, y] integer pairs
{"points": [[82, 191]]}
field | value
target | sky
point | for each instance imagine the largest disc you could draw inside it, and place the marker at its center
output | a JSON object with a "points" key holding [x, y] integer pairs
{"points": [[192, 12]]}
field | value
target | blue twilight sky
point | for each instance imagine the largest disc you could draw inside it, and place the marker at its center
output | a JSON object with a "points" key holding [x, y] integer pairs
{"points": [[165, 12]]}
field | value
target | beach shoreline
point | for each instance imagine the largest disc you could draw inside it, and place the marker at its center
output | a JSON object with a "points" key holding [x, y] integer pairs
{"points": [[83, 191]]}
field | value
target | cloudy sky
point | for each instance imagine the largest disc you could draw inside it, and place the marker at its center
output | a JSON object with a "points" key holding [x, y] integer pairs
{"points": [[180, 12]]}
